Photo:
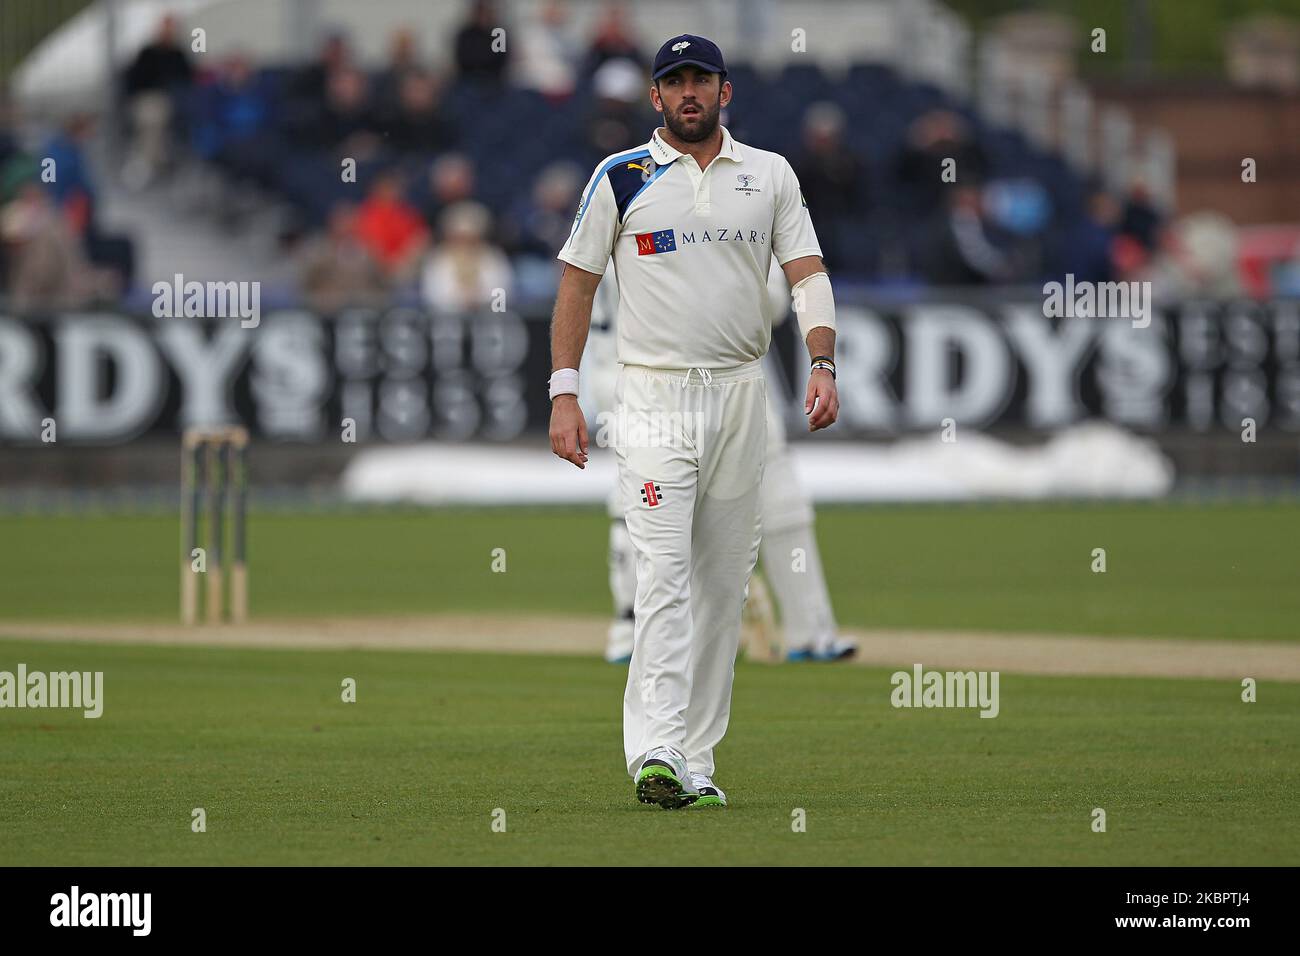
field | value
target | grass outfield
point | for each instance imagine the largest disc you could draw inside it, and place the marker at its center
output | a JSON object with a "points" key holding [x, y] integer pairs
{"points": [[411, 772], [1223, 571]]}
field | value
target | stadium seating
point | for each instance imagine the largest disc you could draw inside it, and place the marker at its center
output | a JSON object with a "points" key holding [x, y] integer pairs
{"points": [[510, 134]]}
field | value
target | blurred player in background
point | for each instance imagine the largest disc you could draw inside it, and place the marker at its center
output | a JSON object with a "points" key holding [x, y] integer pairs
{"points": [[790, 559]]}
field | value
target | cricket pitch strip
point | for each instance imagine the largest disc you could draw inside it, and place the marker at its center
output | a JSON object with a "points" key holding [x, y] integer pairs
{"points": [[1013, 653]]}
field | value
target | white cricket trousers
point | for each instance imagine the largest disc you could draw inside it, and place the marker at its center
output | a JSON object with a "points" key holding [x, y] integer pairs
{"points": [[690, 450]]}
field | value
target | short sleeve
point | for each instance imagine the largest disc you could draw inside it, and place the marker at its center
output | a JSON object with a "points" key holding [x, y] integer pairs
{"points": [[793, 235], [591, 239]]}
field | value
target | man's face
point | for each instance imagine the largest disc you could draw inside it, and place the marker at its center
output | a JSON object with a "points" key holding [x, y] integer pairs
{"points": [[691, 101]]}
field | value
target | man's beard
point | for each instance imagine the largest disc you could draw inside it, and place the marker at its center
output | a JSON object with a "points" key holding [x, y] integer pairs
{"points": [[704, 128]]}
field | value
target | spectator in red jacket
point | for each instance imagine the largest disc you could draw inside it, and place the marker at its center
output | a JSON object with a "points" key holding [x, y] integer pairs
{"points": [[391, 228]]}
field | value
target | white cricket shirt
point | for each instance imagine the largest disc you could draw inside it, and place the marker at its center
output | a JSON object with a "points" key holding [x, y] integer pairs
{"points": [[691, 249]]}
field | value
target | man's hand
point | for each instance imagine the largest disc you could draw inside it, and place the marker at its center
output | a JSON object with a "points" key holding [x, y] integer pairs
{"points": [[569, 430], [822, 406]]}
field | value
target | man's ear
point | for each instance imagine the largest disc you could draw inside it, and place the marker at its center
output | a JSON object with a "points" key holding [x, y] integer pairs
{"points": [[655, 99], [725, 96]]}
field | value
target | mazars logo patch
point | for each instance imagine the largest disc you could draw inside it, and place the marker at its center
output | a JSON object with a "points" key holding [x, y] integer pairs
{"points": [[653, 243]]}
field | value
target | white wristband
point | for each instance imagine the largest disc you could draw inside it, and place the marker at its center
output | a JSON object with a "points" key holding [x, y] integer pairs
{"points": [[564, 381], [814, 303]]}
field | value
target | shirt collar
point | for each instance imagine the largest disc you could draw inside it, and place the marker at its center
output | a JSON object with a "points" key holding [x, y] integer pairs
{"points": [[664, 154]]}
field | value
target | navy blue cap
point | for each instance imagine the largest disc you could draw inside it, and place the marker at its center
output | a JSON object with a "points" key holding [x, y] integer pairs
{"points": [[688, 49]]}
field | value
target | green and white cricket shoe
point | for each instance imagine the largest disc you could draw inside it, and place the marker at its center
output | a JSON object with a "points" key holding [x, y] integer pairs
{"points": [[663, 779], [711, 794]]}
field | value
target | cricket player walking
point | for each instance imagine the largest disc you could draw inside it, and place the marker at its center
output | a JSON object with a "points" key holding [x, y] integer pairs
{"points": [[692, 220]]}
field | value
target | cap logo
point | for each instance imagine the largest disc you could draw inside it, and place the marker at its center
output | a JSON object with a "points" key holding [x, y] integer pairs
{"points": [[679, 47]]}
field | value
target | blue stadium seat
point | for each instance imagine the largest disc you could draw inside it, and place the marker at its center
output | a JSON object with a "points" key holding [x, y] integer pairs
{"points": [[802, 80]]}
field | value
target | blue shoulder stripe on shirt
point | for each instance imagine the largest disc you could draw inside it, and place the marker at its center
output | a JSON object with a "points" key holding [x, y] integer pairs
{"points": [[630, 178], [632, 155], [659, 171]]}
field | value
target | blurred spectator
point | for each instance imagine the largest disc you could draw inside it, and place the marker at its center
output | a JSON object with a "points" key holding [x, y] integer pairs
{"points": [[1138, 236], [347, 120], [541, 222], [539, 226], [451, 180], [161, 65], [465, 272], [961, 247], [1019, 209], [1088, 243], [336, 269], [617, 120], [71, 187], [159, 71], [403, 54], [932, 138], [1140, 221], [233, 122], [831, 177], [308, 86], [414, 121], [403, 59], [73, 191], [1198, 259], [390, 228], [548, 53], [45, 266], [613, 39], [475, 56]]}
